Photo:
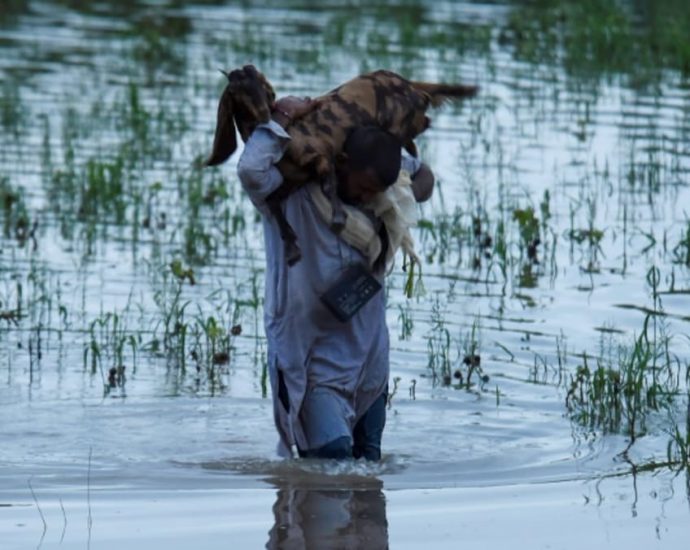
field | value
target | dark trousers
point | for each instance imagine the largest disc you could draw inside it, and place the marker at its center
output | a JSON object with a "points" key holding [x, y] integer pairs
{"points": [[365, 441]]}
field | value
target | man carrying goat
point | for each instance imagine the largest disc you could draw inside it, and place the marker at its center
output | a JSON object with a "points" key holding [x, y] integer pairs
{"points": [[325, 316]]}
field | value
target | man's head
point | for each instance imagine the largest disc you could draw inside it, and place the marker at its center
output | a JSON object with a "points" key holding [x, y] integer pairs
{"points": [[369, 163]]}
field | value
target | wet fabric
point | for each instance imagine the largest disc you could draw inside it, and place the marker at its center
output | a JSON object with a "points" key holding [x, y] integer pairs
{"points": [[366, 436]]}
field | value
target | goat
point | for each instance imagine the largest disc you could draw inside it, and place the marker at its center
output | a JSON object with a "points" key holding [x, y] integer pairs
{"points": [[381, 98]]}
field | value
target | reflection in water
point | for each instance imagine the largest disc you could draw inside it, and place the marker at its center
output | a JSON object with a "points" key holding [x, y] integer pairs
{"points": [[318, 512]]}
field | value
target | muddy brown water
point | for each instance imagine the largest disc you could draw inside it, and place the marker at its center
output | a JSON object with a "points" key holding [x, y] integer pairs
{"points": [[106, 108]]}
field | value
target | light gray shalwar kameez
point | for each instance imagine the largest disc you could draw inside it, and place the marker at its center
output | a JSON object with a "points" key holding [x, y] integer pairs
{"points": [[332, 371]]}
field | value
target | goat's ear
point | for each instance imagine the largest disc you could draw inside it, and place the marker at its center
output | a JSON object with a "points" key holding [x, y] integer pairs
{"points": [[225, 141]]}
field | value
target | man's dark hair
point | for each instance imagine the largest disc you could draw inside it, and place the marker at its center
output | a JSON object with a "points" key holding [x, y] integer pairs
{"points": [[374, 148]]}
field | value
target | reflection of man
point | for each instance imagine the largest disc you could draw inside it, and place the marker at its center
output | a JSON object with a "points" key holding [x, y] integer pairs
{"points": [[308, 517], [328, 377]]}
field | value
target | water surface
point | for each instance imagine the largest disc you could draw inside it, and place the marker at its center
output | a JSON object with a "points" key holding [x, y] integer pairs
{"points": [[106, 109]]}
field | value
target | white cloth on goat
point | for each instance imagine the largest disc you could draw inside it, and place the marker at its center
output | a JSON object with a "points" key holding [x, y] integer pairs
{"points": [[395, 207]]}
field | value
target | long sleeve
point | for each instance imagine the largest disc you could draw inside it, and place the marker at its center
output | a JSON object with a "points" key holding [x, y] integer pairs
{"points": [[409, 163], [256, 167]]}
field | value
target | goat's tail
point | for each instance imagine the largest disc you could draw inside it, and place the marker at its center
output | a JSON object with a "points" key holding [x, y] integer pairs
{"points": [[439, 93]]}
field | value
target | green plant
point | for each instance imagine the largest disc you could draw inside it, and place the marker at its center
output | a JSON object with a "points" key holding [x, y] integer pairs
{"points": [[470, 366], [443, 235], [393, 392], [12, 110], [210, 349], [620, 396], [528, 225], [406, 322], [14, 213], [103, 190], [681, 252], [173, 309], [678, 448], [438, 346], [109, 338]]}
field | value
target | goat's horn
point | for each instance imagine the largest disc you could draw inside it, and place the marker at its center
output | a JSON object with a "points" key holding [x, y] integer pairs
{"points": [[226, 75]]}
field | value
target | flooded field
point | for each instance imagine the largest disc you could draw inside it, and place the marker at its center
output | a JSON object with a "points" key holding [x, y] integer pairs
{"points": [[539, 374]]}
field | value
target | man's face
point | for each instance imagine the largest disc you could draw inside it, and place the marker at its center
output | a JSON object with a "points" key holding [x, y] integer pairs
{"points": [[358, 186]]}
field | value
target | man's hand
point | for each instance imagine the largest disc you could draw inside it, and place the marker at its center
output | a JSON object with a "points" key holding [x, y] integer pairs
{"points": [[292, 107], [423, 183]]}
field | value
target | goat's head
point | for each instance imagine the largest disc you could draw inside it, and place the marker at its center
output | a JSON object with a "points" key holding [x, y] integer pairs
{"points": [[246, 101]]}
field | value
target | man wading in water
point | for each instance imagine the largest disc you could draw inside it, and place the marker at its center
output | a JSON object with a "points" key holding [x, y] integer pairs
{"points": [[328, 375]]}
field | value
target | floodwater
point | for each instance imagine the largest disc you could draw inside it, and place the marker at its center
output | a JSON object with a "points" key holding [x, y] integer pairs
{"points": [[106, 107]]}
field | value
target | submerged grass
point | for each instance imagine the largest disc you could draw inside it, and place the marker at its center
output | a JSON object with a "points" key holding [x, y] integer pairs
{"points": [[124, 157], [619, 396], [16, 221], [106, 350], [681, 251], [12, 108], [454, 361], [637, 389], [594, 38]]}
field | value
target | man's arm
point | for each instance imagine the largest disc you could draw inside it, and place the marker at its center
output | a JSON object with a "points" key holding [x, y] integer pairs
{"points": [[423, 183], [422, 177], [265, 147], [256, 167]]}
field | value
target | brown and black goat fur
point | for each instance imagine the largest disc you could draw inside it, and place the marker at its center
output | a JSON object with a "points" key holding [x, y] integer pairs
{"points": [[381, 98]]}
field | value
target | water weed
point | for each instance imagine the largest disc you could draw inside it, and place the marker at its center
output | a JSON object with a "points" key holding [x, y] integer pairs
{"points": [[681, 251], [107, 349], [16, 222], [634, 385], [12, 109], [469, 372], [439, 346], [595, 37]]}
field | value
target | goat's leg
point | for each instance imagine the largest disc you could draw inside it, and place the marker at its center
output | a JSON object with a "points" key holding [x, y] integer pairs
{"points": [[292, 252]]}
